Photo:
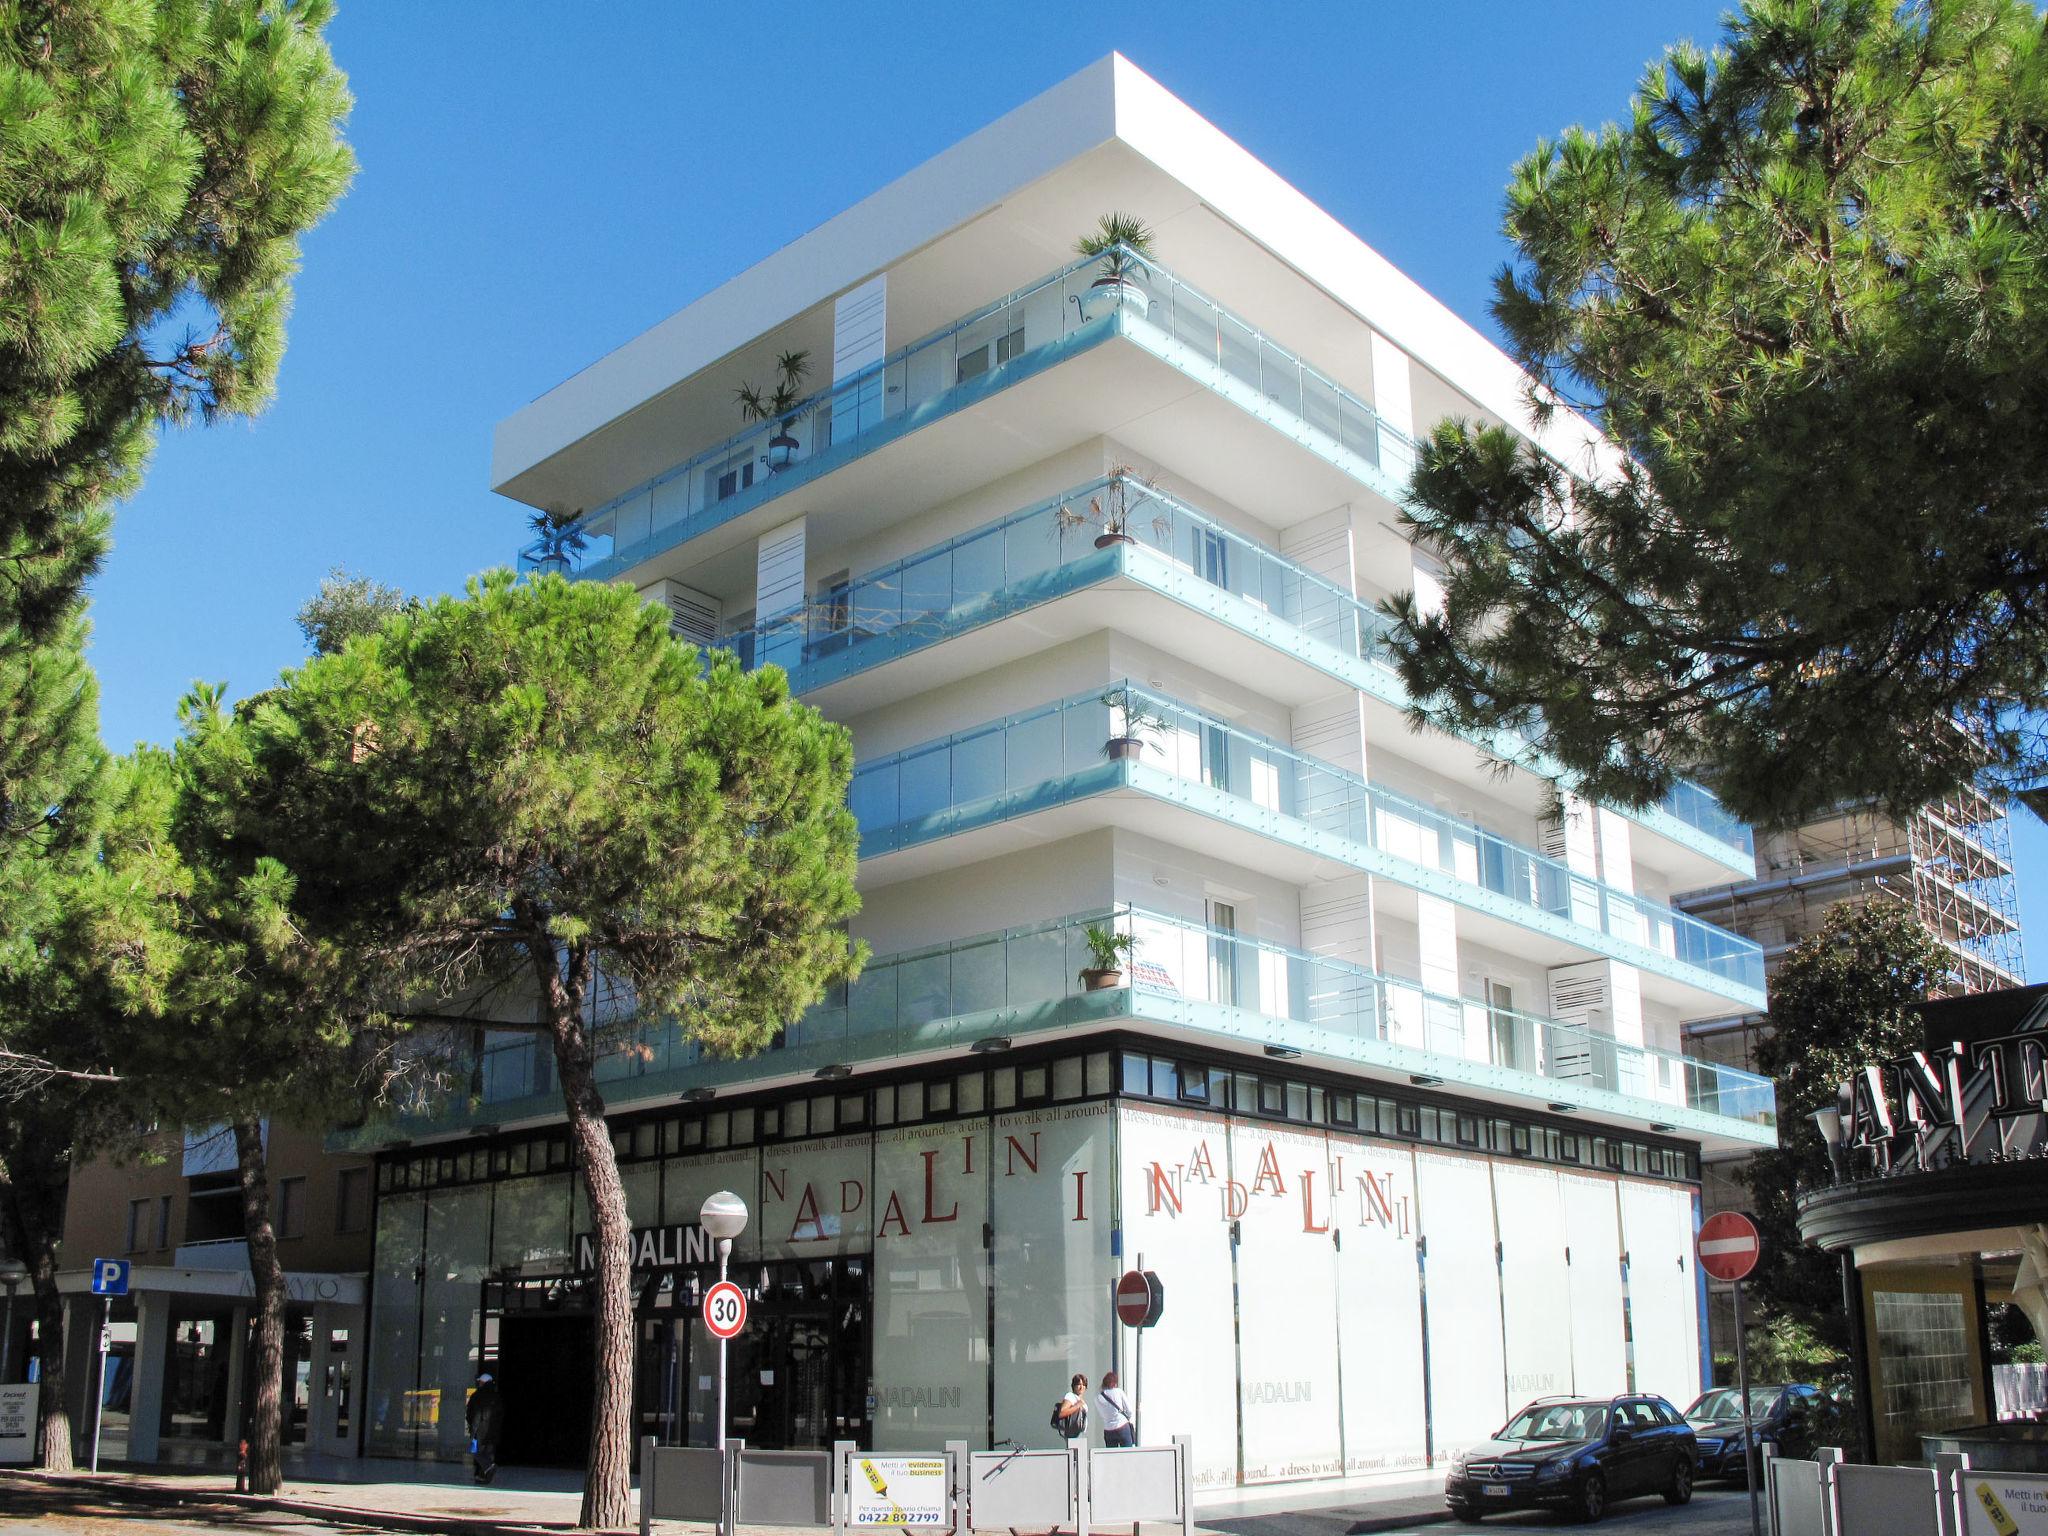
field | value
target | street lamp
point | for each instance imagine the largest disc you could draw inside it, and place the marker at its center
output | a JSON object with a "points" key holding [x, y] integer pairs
{"points": [[724, 1216], [12, 1273], [1828, 1121]]}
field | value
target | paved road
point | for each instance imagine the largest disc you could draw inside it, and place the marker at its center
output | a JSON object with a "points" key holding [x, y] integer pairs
{"points": [[1714, 1511], [80, 1512]]}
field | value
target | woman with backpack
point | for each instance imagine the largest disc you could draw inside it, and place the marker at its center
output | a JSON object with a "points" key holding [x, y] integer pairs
{"points": [[1070, 1413]]}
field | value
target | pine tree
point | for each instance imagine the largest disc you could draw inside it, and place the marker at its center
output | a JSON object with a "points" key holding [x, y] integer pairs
{"points": [[1804, 284], [547, 793]]}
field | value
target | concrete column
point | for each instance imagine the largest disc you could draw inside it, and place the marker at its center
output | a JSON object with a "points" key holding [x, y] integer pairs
{"points": [[238, 1363], [152, 1350]]}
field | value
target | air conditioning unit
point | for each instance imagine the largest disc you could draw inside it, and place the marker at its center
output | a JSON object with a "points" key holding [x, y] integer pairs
{"points": [[692, 615]]}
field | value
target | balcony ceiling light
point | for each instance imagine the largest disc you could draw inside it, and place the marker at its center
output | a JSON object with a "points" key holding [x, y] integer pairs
{"points": [[1283, 1052], [991, 1043], [834, 1072], [1424, 1080], [699, 1095], [1558, 1106], [1659, 1125]]}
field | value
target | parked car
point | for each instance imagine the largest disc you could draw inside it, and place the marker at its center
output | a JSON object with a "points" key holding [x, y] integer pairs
{"points": [[1793, 1416], [1577, 1455]]}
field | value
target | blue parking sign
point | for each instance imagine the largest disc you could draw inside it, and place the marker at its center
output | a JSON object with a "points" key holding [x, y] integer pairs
{"points": [[110, 1277]]}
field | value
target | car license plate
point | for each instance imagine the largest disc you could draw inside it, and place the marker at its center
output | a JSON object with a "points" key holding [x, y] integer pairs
{"points": [[1496, 1490]]}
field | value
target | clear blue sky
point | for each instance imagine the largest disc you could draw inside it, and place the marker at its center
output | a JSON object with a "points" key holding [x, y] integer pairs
{"points": [[541, 182]]}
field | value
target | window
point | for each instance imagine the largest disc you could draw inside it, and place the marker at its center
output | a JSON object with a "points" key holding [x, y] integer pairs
{"points": [[138, 1225], [990, 354], [1223, 953], [352, 1200], [163, 1221], [291, 1207], [732, 477]]}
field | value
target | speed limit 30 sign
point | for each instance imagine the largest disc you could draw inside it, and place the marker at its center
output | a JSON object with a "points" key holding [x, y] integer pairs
{"points": [[725, 1309]]}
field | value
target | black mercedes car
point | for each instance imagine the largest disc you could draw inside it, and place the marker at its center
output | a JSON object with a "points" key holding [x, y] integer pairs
{"points": [[1795, 1418], [1577, 1455]]}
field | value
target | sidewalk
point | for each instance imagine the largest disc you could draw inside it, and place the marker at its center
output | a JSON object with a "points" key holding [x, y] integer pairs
{"points": [[1367, 1505]]}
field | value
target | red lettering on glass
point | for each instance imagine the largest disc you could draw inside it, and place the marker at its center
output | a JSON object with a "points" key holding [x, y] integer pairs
{"points": [[931, 1191], [1016, 1150], [893, 1212], [1235, 1200], [1201, 1167], [1308, 1204], [778, 1183], [807, 1215], [1269, 1169], [1081, 1195], [1161, 1190], [860, 1195]]}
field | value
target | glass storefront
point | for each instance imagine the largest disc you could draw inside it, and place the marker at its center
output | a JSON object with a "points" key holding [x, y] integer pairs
{"points": [[932, 1260]]}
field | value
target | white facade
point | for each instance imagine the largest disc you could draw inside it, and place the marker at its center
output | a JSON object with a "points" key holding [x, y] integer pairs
{"points": [[1453, 1165]]}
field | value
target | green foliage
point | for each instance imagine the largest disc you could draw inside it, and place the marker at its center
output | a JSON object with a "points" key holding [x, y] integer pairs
{"points": [[1107, 948], [158, 163], [1116, 238], [1785, 1349], [1844, 997], [1805, 285], [775, 403], [345, 607]]}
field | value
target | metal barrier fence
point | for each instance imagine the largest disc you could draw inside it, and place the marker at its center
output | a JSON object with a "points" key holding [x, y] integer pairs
{"points": [[1829, 1497], [1076, 1486]]}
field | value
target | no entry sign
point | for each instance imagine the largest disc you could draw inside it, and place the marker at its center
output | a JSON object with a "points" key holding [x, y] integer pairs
{"points": [[1139, 1298], [725, 1309], [1729, 1246]]}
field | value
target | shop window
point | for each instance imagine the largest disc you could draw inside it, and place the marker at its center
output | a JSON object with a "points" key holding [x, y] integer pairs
{"points": [[646, 1139], [938, 1098], [291, 1207], [1297, 1101], [1165, 1079], [1219, 1088], [1498, 1142], [771, 1121], [1003, 1087], [693, 1132], [351, 1200], [742, 1127], [1138, 1075], [1518, 1140], [1031, 1084], [909, 1101], [824, 1115], [1468, 1130], [1066, 1078], [672, 1136], [1272, 1099], [384, 1176], [1244, 1093], [558, 1151], [853, 1109], [717, 1129], [1318, 1112], [1343, 1109], [622, 1143], [1100, 1078], [1194, 1085], [1387, 1114], [885, 1104], [967, 1092], [1408, 1120], [796, 1118]]}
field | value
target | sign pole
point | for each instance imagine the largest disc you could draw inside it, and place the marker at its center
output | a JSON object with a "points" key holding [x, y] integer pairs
{"points": [[1137, 1370], [1750, 1471], [99, 1396]]}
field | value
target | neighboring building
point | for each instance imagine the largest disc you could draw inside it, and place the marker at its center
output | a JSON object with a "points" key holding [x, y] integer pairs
{"points": [[174, 1378], [1950, 865], [1391, 1093], [1938, 1209]]}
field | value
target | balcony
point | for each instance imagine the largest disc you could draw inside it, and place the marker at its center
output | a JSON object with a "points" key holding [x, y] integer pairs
{"points": [[1033, 558], [1296, 813], [1201, 985], [999, 345]]}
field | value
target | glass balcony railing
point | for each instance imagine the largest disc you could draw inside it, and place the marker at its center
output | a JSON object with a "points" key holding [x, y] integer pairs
{"points": [[1026, 981], [1125, 735], [997, 345], [1698, 809], [1046, 549]]}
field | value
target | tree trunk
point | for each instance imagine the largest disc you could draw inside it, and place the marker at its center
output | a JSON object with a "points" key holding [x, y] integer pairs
{"points": [[34, 1176], [263, 1397], [607, 1482]]}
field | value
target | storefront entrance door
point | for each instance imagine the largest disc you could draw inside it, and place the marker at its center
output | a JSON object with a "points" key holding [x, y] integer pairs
{"points": [[544, 1386]]}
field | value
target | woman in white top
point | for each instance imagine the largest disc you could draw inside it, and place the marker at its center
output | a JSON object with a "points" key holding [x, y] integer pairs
{"points": [[1118, 1425], [1072, 1418]]}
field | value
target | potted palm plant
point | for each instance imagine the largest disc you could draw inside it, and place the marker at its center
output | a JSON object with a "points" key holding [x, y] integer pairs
{"points": [[1110, 510], [1135, 719], [1107, 951], [778, 405], [1124, 242], [558, 538]]}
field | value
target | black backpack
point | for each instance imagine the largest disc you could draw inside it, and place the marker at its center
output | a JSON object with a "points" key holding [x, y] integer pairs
{"points": [[1074, 1426]]}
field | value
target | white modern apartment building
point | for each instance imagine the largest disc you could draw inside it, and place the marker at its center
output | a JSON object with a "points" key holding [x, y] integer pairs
{"points": [[1388, 1090]]}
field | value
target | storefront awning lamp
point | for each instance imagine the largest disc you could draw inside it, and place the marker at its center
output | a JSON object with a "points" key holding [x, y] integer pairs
{"points": [[989, 1043], [1283, 1053], [699, 1095], [1424, 1080], [1661, 1126], [723, 1215], [1559, 1107], [834, 1072]]}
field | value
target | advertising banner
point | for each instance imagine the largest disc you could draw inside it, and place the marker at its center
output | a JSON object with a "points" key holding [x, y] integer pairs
{"points": [[18, 1424], [898, 1490], [1994, 1503]]}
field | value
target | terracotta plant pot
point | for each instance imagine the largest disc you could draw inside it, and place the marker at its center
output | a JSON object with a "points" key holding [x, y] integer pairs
{"points": [[1101, 981], [1122, 749]]}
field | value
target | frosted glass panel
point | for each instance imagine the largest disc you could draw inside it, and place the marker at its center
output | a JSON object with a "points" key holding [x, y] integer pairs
{"points": [[1379, 1298], [1592, 1226], [1535, 1281], [688, 1181], [931, 1286], [395, 1324], [1287, 1287], [456, 1260], [1174, 1172], [815, 1199], [1049, 1180], [1657, 1228], [530, 1229], [1465, 1360]]}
